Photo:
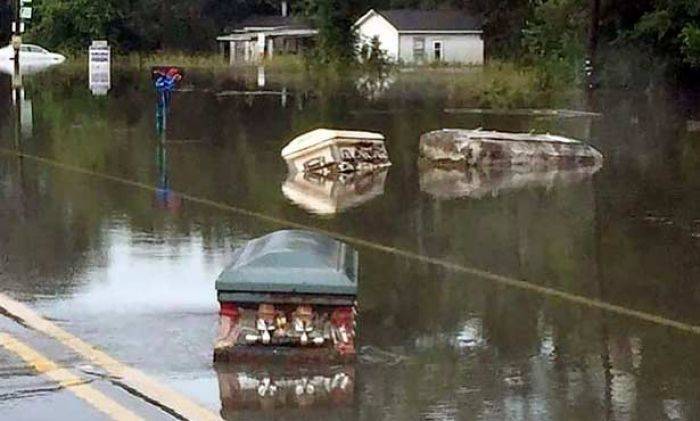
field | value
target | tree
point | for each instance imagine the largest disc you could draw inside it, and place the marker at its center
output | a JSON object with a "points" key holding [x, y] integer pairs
{"points": [[72, 24], [138, 25], [5, 21], [690, 39], [503, 23], [557, 30], [336, 36], [671, 28]]}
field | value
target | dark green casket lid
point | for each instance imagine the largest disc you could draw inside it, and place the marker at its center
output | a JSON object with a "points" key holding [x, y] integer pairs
{"points": [[289, 262]]}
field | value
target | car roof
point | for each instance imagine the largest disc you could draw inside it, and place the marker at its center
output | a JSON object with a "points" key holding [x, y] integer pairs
{"points": [[24, 44]]}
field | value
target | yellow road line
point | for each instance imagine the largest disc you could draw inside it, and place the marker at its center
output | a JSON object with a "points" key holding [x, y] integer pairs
{"points": [[167, 398], [498, 279], [67, 379]]}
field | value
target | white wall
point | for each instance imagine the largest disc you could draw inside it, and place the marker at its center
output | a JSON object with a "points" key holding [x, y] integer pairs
{"points": [[377, 26], [459, 48]]}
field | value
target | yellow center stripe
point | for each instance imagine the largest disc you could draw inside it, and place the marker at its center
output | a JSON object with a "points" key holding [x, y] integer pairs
{"points": [[135, 379], [66, 379], [478, 273]]}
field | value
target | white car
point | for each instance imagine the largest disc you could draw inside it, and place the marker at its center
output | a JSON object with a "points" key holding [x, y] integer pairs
{"points": [[32, 58]]}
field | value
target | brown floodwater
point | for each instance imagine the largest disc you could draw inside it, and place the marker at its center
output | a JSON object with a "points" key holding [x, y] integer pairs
{"points": [[131, 269]]}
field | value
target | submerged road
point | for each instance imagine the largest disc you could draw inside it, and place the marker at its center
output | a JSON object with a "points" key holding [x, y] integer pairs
{"points": [[66, 379], [121, 392], [134, 381], [478, 273], [483, 295]]}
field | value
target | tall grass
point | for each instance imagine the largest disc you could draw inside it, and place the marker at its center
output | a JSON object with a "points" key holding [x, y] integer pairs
{"points": [[212, 61], [497, 84]]}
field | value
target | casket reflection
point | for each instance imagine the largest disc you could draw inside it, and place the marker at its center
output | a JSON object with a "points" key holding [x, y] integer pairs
{"points": [[448, 183], [284, 385], [326, 195]]}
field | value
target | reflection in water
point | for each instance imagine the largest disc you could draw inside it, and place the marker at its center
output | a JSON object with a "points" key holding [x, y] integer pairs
{"points": [[261, 76], [131, 280], [165, 198], [178, 275], [449, 183], [323, 195], [373, 86], [26, 67], [23, 106], [284, 385], [469, 336]]}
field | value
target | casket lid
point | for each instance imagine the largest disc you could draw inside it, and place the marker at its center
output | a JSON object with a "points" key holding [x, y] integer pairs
{"points": [[318, 136], [292, 261]]}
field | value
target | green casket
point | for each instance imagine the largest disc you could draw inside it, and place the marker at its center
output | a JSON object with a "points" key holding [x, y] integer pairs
{"points": [[292, 289]]}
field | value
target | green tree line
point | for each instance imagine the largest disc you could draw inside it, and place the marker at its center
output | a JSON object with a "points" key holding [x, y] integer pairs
{"points": [[661, 34]]}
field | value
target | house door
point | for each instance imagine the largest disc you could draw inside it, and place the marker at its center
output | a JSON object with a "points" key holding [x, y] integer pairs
{"points": [[437, 50]]}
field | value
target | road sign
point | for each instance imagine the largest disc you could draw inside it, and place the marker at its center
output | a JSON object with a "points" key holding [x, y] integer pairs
{"points": [[25, 12], [100, 59], [21, 27]]}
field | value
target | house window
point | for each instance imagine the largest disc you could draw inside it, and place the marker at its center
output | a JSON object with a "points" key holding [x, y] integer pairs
{"points": [[437, 50], [418, 48]]}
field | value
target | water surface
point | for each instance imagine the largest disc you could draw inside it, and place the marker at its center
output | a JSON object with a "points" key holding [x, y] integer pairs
{"points": [[132, 270]]}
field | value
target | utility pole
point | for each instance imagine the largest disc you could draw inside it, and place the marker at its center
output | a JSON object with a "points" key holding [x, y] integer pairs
{"points": [[16, 37], [17, 91], [18, 118]]}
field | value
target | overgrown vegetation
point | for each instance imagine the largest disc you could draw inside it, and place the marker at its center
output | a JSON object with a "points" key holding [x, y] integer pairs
{"points": [[638, 41], [143, 25], [336, 38], [550, 35], [374, 58]]}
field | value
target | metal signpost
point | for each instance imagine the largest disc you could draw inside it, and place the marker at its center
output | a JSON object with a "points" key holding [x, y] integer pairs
{"points": [[23, 12]]}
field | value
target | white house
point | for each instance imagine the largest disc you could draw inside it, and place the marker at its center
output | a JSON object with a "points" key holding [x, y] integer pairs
{"points": [[415, 36]]}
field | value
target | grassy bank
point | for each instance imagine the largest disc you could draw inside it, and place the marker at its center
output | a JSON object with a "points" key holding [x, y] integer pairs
{"points": [[206, 61], [496, 84]]}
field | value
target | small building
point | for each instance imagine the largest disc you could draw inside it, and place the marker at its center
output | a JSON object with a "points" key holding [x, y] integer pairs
{"points": [[422, 36], [262, 36]]}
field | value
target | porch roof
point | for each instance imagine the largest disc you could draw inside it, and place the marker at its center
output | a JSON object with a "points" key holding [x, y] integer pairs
{"points": [[253, 34]]}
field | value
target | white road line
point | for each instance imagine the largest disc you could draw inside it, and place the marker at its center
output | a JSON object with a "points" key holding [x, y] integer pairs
{"points": [[167, 398], [66, 379]]}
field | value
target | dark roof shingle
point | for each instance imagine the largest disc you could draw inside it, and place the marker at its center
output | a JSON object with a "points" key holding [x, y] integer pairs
{"points": [[431, 20]]}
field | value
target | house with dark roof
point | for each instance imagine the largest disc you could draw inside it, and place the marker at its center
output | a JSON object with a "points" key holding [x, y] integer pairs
{"points": [[261, 36], [419, 36]]}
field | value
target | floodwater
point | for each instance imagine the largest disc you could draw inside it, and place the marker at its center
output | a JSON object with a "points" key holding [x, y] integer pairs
{"points": [[132, 270]]}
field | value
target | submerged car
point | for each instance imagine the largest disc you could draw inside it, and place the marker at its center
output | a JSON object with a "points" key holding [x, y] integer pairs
{"points": [[288, 291], [32, 58]]}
